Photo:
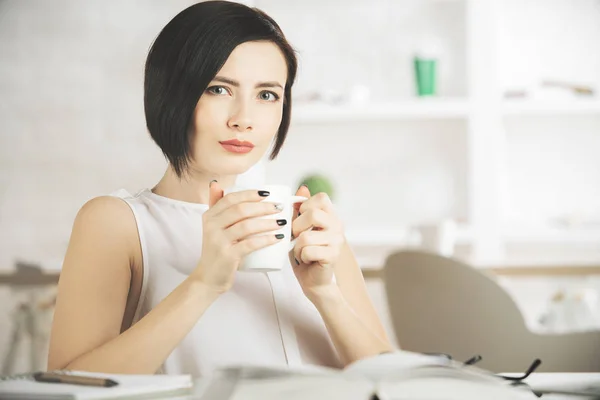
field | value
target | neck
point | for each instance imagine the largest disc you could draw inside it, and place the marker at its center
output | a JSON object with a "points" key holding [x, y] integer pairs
{"points": [[191, 187]]}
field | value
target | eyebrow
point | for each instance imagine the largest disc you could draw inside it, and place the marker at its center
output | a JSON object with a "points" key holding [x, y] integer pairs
{"points": [[237, 84]]}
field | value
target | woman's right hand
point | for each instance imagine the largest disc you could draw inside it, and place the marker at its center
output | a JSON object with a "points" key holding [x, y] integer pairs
{"points": [[227, 228]]}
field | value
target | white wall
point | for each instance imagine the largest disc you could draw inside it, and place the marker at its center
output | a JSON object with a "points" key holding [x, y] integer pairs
{"points": [[386, 175], [548, 39], [71, 116], [343, 43], [554, 167], [389, 174]]}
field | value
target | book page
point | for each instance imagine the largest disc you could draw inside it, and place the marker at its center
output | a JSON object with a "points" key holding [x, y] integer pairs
{"points": [[408, 375], [449, 384], [325, 387], [378, 367]]}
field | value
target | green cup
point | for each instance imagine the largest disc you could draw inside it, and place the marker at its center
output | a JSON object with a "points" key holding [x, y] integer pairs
{"points": [[425, 76]]}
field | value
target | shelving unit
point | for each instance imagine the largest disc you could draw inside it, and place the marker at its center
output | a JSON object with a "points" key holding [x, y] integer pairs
{"points": [[574, 106], [464, 236], [395, 237], [436, 108], [426, 108], [484, 112], [552, 235]]}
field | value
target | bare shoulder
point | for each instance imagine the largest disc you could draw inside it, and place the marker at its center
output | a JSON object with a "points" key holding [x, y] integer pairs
{"points": [[104, 236], [108, 219], [105, 210]]}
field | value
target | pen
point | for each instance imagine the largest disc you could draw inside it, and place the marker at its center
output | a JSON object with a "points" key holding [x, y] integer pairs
{"points": [[51, 377]]}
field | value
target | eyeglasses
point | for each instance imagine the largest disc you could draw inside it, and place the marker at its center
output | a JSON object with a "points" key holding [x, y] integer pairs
{"points": [[514, 380], [518, 380]]}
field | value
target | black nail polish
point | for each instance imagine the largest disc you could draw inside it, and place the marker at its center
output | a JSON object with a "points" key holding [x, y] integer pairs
{"points": [[279, 236], [263, 193], [281, 222], [297, 262]]}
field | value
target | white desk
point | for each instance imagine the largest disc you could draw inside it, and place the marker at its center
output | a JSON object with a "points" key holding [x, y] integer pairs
{"points": [[539, 380], [566, 382]]}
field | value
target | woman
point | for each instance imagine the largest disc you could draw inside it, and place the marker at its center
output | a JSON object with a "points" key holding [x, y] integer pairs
{"points": [[149, 281]]}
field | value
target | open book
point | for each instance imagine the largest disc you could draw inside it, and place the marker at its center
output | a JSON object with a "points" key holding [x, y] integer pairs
{"points": [[129, 387], [399, 375]]}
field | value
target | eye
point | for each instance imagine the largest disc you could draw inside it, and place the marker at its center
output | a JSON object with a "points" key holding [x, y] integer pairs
{"points": [[217, 90], [268, 96]]}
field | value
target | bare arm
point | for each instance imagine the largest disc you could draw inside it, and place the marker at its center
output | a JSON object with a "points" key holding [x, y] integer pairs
{"points": [[351, 282], [321, 251], [143, 348], [93, 290], [351, 336]]}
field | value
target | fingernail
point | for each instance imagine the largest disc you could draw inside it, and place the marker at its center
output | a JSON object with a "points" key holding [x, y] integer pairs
{"points": [[278, 206], [211, 182], [279, 236], [297, 262], [304, 184], [263, 193], [281, 222]]}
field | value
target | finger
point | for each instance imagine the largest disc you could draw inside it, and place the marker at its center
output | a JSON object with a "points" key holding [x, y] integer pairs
{"points": [[323, 255], [215, 193], [247, 246], [312, 238], [318, 201], [243, 211], [234, 198], [315, 218], [252, 226], [304, 192]]}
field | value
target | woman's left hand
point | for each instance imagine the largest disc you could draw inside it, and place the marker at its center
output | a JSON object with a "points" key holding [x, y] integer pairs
{"points": [[317, 250]]}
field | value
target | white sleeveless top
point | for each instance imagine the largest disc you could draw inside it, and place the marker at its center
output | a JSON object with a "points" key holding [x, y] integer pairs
{"points": [[264, 319]]}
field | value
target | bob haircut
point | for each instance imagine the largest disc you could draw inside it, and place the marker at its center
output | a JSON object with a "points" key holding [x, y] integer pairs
{"points": [[187, 54]]}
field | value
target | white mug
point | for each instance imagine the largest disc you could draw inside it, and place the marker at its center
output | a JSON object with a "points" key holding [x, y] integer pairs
{"points": [[273, 257]]}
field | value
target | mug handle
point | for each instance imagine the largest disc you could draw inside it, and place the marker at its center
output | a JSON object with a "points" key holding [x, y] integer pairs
{"points": [[295, 200]]}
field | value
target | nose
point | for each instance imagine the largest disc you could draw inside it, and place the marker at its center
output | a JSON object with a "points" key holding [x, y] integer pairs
{"points": [[240, 118]]}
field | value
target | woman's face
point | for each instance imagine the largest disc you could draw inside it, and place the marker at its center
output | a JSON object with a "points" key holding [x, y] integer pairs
{"points": [[243, 102]]}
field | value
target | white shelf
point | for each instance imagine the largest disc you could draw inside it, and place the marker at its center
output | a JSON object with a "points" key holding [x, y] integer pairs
{"points": [[394, 237], [434, 108], [552, 107], [377, 237], [544, 235], [552, 235], [425, 108]]}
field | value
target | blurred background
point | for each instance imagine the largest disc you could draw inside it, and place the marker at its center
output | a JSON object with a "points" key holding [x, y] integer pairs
{"points": [[468, 128]]}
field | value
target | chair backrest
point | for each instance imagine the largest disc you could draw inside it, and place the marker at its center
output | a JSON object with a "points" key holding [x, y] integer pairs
{"points": [[441, 305]]}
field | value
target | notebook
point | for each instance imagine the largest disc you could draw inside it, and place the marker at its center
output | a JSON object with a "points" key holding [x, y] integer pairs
{"points": [[129, 386], [394, 376]]}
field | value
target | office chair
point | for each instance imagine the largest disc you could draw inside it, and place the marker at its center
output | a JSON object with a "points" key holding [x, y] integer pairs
{"points": [[441, 305]]}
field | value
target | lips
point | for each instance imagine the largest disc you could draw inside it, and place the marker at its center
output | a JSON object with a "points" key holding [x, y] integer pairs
{"points": [[236, 146], [235, 142]]}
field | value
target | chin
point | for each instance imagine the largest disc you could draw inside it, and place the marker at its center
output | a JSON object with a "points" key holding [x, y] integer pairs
{"points": [[236, 166]]}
